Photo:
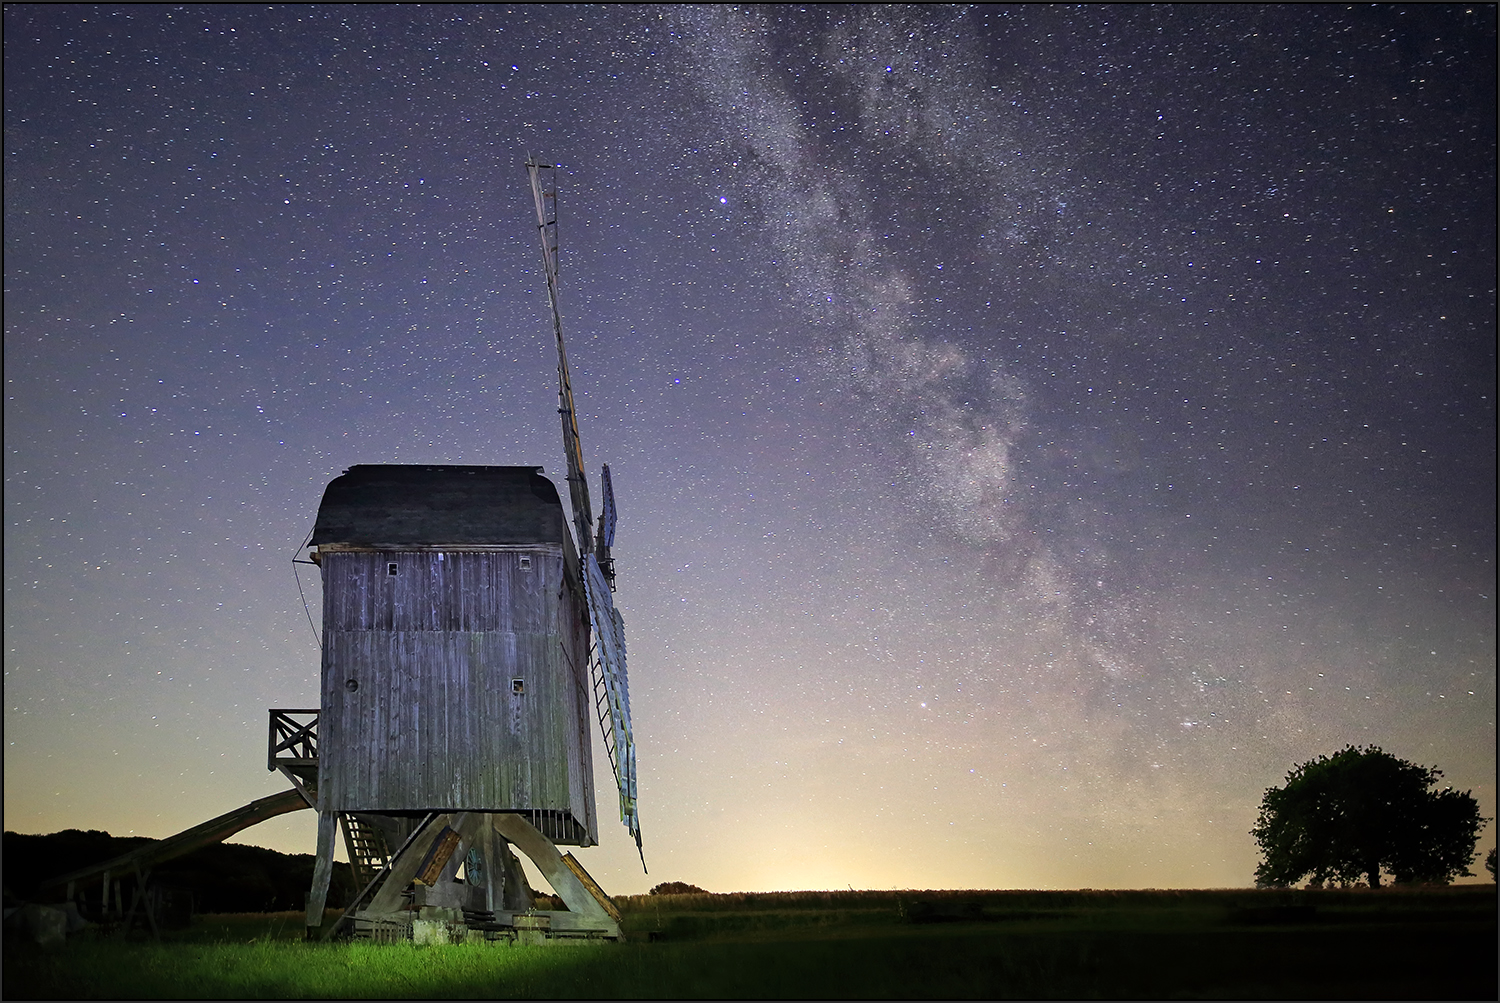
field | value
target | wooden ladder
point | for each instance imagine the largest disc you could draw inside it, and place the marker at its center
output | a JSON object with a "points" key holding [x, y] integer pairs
{"points": [[379, 870], [368, 852]]}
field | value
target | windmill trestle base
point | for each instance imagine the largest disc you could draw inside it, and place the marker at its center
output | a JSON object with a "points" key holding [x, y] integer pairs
{"points": [[416, 896]]}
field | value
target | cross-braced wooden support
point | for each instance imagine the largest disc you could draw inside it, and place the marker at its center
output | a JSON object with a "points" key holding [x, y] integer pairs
{"points": [[293, 742], [292, 748], [419, 895]]}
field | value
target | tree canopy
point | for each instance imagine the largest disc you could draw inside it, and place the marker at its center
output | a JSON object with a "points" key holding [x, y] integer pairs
{"points": [[1360, 812]]}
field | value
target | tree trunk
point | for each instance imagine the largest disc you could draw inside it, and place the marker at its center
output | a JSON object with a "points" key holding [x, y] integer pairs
{"points": [[1373, 871]]}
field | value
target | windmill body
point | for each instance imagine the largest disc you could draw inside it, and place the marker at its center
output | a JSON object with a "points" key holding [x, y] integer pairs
{"points": [[455, 648]]}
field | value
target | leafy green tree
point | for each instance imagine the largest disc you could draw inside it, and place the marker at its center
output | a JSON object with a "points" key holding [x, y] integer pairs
{"points": [[1361, 811]]}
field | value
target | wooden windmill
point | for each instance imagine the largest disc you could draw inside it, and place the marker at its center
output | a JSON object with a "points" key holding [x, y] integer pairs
{"points": [[467, 632], [469, 639]]}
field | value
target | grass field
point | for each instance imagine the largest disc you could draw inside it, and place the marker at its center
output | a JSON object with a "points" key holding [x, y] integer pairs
{"points": [[1392, 943]]}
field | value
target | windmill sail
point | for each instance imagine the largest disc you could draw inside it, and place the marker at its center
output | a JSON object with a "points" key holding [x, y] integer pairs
{"points": [[607, 667], [545, 197]]}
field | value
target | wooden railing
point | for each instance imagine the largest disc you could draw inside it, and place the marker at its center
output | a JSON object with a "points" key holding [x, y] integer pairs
{"points": [[293, 739]]}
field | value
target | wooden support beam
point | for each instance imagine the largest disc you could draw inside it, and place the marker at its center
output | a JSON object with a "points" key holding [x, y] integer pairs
{"points": [[144, 900], [438, 854], [317, 896], [605, 902], [309, 794], [488, 844], [516, 893], [404, 868], [215, 830], [578, 898]]}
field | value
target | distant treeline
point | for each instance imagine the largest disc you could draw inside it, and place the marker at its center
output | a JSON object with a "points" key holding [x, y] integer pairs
{"points": [[225, 877]]}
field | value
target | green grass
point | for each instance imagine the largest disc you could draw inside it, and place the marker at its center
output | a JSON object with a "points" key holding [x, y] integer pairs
{"points": [[1389, 944]]}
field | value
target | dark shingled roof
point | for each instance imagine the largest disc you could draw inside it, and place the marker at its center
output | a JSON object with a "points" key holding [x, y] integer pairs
{"points": [[387, 503]]}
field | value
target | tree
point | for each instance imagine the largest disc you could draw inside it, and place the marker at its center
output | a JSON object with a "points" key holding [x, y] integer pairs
{"points": [[1361, 811]]}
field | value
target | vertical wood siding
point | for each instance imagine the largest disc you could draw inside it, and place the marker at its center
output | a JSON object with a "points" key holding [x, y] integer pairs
{"points": [[434, 723]]}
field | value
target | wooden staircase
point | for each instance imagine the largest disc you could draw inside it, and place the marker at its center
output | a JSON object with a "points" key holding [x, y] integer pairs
{"points": [[376, 860], [368, 853]]}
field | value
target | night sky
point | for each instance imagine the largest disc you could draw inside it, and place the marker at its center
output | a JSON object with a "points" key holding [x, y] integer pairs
{"points": [[1034, 429]]}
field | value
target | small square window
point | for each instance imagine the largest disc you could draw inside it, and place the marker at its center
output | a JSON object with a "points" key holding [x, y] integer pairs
{"points": [[525, 564], [390, 569], [518, 686]]}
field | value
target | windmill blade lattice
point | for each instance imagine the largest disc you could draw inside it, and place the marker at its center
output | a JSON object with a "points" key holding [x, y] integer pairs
{"points": [[612, 692]]}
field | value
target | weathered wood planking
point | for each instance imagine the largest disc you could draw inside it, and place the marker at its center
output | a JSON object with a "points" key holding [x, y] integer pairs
{"points": [[471, 686], [435, 590]]}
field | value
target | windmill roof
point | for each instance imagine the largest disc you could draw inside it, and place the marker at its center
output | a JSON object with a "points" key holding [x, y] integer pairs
{"points": [[392, 504]]}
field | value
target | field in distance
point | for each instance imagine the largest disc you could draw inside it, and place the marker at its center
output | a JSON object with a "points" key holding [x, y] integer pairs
{"points": [[1389, 943]]}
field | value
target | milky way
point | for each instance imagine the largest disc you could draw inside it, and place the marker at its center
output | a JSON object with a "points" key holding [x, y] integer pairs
{"points": [[1035, 429]]}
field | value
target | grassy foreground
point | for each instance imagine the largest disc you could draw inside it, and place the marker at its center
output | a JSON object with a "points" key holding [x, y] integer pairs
{"points": [[1393, 943]]}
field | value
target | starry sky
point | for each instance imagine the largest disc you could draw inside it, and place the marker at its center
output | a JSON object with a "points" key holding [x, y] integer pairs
{"points": [[1034, 429]]}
